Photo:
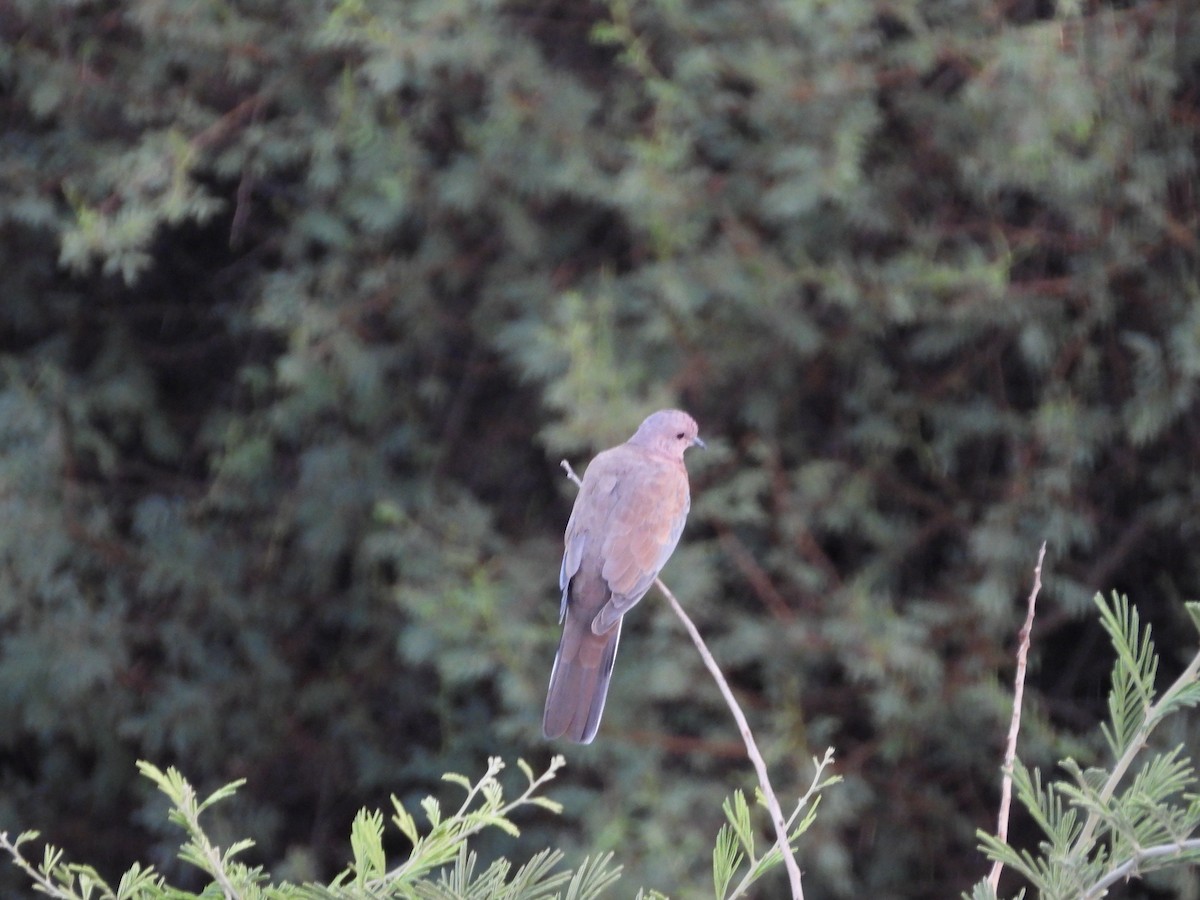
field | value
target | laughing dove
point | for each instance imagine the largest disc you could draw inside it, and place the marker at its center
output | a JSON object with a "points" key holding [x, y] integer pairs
{"points": [[625, 524]]}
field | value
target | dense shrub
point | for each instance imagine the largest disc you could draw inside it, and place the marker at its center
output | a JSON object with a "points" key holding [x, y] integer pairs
{"points": [[304, 302]]}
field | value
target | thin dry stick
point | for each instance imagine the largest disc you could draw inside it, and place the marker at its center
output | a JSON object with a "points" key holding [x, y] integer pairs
{"points": [[760, 767], [1014, 727], [1131, 866]]}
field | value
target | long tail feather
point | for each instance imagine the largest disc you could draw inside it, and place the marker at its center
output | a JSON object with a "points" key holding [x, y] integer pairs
{"points": [[579, 684]]}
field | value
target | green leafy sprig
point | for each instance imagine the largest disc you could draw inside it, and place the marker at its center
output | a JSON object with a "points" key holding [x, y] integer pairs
{"points": [[440, 865], [1142, 813]]}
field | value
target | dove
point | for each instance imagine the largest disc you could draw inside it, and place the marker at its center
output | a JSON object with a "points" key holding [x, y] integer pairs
{"points": [[625, 524]]}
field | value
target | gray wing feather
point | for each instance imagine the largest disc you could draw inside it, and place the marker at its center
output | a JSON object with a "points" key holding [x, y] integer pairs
{"points": [[620, 604], [570, 565]]}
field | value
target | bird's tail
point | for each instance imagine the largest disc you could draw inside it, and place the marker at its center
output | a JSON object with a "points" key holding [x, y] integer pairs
{"points": [[579, 682]]}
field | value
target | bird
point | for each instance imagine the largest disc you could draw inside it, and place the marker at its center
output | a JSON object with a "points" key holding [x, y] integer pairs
{"points": [[624, 526]]}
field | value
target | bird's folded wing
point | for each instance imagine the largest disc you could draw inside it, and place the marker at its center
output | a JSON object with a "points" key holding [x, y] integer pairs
{"points": [[641, 532], [593, 507]]}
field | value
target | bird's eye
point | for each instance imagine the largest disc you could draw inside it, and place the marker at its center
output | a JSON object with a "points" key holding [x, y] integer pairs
{"points": [[680, 436]]}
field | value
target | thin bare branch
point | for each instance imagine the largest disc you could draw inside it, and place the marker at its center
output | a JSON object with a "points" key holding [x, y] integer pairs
{"points": [[1014, 727], [760, 767], [1132, 866]]}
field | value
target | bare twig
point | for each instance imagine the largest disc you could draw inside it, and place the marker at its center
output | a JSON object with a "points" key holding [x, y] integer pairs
{"points": [[1131, 866], [1014, 727], [760, 767]]}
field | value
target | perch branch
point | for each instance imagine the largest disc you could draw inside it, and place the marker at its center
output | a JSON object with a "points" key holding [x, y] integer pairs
{"points": [[1014, 727]]}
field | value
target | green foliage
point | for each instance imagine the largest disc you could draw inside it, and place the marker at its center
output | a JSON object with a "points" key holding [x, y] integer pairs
{"points": [[440, 866], [735, 843], [1104, 825], [303, 303], [1098, 830]]}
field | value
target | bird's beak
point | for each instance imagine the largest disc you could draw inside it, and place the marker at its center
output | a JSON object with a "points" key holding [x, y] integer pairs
{"points": [[696, 442]]}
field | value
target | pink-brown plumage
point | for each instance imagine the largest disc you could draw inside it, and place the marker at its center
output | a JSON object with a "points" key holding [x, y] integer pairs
{"points": [[625, 524]]}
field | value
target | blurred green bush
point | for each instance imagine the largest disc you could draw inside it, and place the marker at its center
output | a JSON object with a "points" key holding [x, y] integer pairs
{"points": [[302, 304]]}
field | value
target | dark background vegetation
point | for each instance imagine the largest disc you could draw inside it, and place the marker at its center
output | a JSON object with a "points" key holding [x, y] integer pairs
{"points": [[302, 303]]}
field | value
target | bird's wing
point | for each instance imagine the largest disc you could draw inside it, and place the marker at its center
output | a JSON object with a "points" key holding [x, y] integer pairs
{"points": [[649, 508], [593, 506]]}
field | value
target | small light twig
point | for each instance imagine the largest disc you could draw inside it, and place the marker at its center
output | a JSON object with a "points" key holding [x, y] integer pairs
{"points": [[1131, 866], [760, 767], [1014, 727]]}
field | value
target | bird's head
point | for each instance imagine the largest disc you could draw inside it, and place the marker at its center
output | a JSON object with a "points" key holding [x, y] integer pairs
{"points": [[670, 431]]}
